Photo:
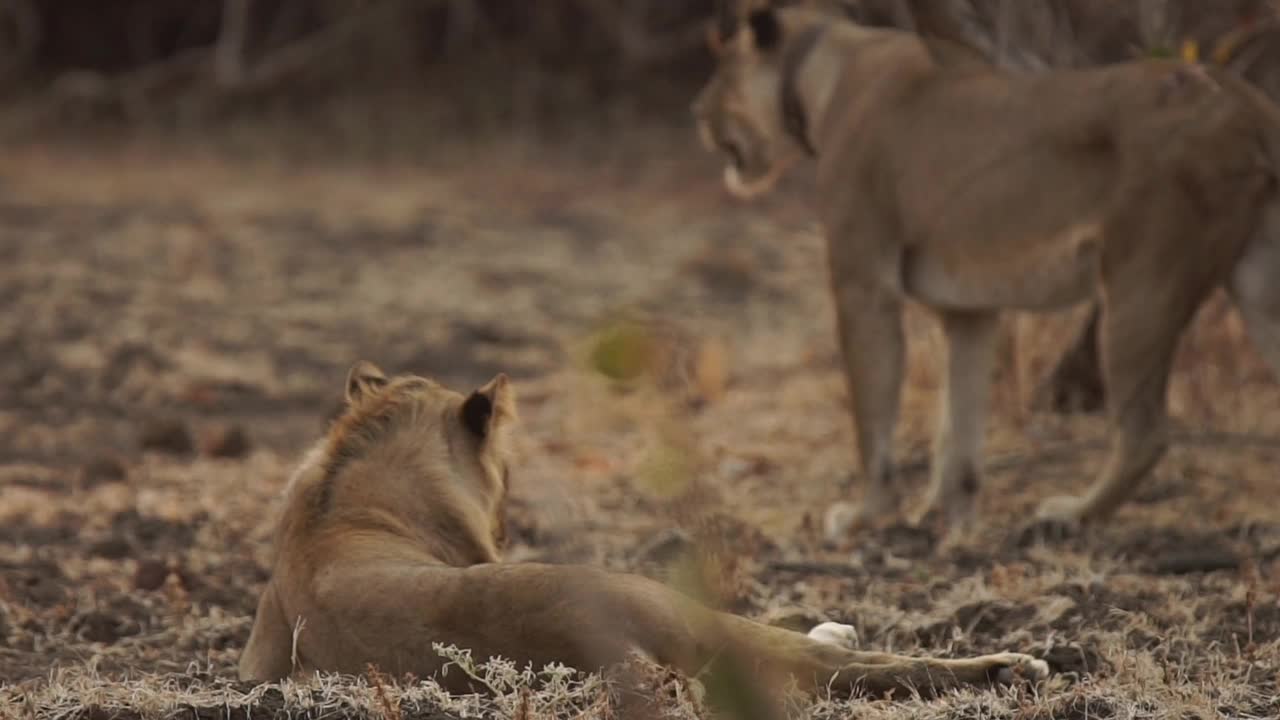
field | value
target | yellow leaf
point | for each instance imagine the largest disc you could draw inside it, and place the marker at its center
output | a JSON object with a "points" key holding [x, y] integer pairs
{"points": [[1190, 50], [1231, 42], [711, 372]]}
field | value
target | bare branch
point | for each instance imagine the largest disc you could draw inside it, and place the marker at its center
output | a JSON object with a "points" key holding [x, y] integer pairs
{"points": [[637, 45], [228, 54], [26, 32], [296, 57]]}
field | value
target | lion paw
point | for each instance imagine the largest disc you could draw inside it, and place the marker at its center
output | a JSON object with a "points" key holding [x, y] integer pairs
{"points": [[834, 633], [879, 507], [1062, 509], [839, 521], [843, 519], [1016, 667], [952, 522], [1057, 518]]}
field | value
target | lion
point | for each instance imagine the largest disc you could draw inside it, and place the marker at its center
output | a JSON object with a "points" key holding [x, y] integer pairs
{"points": [[972, 190], [389, 540]]}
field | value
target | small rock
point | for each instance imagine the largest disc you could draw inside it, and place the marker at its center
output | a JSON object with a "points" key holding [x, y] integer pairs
{"points": [[730, 274], [838, 522], [226, 442], [167, 436], [112, 548], [151, 575], [98, 626], [40, 583], [664, 547], [737, 468], [838, 634], [100, 471], [187, 580]]}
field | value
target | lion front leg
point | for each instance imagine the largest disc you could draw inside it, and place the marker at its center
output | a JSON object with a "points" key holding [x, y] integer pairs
{"points": [[267, 654], [930, 677], [869, 324], [962, 414]]}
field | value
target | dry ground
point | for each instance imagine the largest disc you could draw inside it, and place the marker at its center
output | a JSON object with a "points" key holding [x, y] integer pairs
{"points": [[177, 328]]}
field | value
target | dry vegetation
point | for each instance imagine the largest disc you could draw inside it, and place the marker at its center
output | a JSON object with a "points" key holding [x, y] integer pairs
{"points": [[177, 329], [179, 321]]}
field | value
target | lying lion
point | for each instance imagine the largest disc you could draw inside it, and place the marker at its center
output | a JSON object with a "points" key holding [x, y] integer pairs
{"points": [[389, 541], [972, 190]]}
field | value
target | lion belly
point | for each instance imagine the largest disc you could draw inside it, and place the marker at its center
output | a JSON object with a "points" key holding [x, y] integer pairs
{"points": [[1039, 276]]}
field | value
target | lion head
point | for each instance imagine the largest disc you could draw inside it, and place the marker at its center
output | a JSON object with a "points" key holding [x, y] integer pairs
{"points": [[749, 109], [410, 455]]}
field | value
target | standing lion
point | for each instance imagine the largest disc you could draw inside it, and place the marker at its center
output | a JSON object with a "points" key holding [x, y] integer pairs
{"points": [[973, 190]]}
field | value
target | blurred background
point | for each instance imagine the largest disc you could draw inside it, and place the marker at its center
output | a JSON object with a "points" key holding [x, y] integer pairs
{"points": [[355, 69], [209, 209], [373, 67]]}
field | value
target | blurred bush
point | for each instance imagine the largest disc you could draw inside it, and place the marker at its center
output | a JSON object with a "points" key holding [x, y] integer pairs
{"points": [[157, 49], [130, 57]]}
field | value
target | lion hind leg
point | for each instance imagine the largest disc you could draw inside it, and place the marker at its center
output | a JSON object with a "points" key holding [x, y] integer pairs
{"points": [[1255, 287], [874, 351], [1141, 329], [1144, 315], [1264, 331]]}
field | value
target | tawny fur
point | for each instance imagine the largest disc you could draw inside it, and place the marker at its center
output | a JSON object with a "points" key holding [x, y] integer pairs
{"points": [[388, 543], [971, 190]]}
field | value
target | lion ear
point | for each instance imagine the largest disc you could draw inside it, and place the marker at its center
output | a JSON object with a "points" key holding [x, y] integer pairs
{"points": [[728, 16], [766, 30], [715, 39], [363, 380], [489, 406]]}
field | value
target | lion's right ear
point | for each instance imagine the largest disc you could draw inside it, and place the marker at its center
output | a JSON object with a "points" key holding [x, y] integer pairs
{"points": [[766, 29], [730, 17], [363, 380], [715, 39]]}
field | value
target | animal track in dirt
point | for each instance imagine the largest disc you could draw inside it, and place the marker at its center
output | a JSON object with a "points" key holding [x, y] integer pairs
{"points": [[114, 618], [63, 530], [170, 436], [155, 534], [38, 583]]}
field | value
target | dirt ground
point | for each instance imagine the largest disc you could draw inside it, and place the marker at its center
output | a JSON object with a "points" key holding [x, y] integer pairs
{"points": [[177, 326]]}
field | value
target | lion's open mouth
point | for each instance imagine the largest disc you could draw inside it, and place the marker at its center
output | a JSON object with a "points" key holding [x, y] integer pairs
{"points": [[735, 153], [751, 186]]}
